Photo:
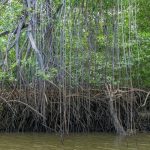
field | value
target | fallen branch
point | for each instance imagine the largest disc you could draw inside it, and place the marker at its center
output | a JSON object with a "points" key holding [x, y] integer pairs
{"points": [[27, 105], [4, 100]]}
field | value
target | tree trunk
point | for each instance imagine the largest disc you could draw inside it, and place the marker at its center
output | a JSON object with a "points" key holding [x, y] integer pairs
{"points": [[118, 127]]}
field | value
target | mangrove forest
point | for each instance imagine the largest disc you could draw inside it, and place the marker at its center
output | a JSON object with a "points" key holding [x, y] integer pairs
{"points": [[74, 66]]}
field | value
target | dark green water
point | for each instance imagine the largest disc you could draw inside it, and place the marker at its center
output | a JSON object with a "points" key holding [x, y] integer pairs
{"points": [[92, 141]]}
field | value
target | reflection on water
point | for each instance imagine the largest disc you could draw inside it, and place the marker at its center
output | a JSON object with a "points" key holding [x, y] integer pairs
{"points": [[92, 141]]}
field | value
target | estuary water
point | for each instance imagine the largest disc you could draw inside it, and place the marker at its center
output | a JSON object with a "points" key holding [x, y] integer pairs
{"points": [[91, 141]]}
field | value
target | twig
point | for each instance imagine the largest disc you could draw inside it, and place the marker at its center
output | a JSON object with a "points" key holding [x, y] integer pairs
{"points": [[146, 99]]}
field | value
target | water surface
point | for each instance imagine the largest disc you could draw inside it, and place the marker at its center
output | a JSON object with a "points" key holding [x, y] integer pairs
{"points": [[92, 141]]}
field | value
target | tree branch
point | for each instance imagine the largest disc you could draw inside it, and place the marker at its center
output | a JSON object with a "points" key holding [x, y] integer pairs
{"points": [[14, 31]]}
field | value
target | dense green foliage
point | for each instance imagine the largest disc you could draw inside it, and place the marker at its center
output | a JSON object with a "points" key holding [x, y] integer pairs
{"points": [[77, 44]]}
